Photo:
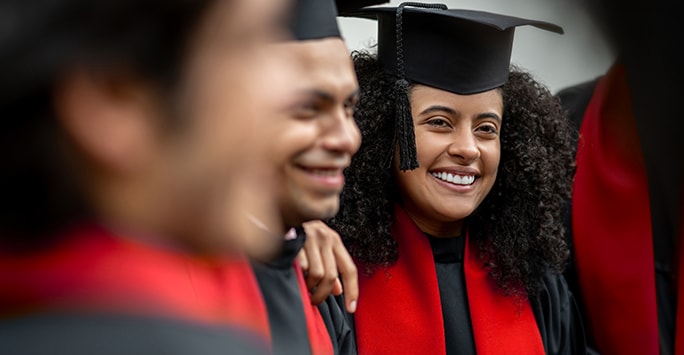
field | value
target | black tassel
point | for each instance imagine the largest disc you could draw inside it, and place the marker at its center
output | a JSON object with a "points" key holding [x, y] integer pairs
{"points": [[406, 137], [404, 120]]}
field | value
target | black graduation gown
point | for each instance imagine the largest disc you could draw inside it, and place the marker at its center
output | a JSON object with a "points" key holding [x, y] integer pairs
{"points": [[554, 308], [118, 334], [281, 292], [575, 100]]}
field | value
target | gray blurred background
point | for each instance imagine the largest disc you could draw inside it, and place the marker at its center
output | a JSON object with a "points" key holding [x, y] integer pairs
{"points": [[580, 54]]}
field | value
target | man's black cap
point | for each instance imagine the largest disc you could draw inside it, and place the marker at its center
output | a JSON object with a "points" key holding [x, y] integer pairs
{"points": [[314, 19]]}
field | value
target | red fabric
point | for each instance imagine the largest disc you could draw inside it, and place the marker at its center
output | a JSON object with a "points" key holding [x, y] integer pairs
{"points": [[94, 270], [679, 334], [401, 313], [612, 234], [318, 333], [499, 322]]}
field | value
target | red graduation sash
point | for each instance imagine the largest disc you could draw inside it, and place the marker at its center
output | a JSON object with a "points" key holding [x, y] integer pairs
{"points": [[319, 339], [95, 270], [401, 312], [612, 234], [679, 334]]}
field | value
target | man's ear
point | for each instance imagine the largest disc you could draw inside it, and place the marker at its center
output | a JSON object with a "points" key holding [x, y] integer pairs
{"points": [[114, 121]]}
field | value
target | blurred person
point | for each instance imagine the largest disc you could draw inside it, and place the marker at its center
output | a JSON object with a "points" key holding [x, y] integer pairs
{"points": [[128, 128], [626, 208], [316, 138], [453, 204]]}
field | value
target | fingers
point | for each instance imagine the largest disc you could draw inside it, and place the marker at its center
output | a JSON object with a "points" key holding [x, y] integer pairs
{"points": [[328, 260], [337, 287], [303, 260], [350, 280], [315, 268], [326, 284]]}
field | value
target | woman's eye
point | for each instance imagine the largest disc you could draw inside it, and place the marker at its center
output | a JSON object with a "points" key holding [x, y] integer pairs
{"points": [[489, 129], [438, 122]]}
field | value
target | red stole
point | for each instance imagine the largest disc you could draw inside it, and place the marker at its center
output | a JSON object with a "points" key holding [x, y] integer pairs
{"points": [[612, 234], [679, 331], [319, 339], [401, 312], [97, 271]]}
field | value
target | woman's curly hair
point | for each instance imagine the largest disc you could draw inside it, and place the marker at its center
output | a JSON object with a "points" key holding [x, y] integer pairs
{"points": [[518, 228]]}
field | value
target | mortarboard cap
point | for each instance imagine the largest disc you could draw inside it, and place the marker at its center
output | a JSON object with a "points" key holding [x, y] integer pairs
{"points": [[314, 19], [457, 50], [349, 5]]}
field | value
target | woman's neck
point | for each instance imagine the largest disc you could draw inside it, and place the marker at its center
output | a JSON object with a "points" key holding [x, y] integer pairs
{"points": [[436, 228]]}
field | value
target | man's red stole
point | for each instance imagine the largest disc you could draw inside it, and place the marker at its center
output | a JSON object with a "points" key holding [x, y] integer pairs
{"points": [[93, 270], [612, 232], [319, 340], [400, 310]]}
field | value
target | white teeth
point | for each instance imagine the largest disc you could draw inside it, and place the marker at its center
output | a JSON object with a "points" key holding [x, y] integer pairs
{"points": [[455, 179]]}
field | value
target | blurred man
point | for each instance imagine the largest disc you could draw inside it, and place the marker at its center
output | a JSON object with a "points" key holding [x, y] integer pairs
{"points": [[127, 129], [626, 223]]}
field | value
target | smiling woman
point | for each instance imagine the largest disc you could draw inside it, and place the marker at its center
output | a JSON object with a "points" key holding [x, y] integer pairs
{"points": [[458, 148], [453, 204]]}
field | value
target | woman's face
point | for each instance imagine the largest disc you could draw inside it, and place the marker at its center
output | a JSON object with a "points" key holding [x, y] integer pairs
{"points": [[459, 148]]}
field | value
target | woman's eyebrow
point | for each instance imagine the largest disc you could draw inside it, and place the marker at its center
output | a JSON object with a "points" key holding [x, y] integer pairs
{"points": [[439, 108], [489, 115]]}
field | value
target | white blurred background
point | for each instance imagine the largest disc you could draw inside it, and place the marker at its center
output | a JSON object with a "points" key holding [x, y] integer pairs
{"points": [[580, 54]]}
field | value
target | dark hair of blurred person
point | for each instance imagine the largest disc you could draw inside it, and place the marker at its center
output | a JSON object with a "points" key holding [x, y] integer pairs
{"points": [[48, 48], [126, 127], [41, 191]]}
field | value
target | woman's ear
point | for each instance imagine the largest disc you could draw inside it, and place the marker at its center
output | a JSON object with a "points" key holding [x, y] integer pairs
{"points": [[114, 121]]}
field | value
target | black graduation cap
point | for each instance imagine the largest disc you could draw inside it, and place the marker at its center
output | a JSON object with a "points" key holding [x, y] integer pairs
{"points": [[461, 51], [314, 19], [457, 50], [349, 5]]}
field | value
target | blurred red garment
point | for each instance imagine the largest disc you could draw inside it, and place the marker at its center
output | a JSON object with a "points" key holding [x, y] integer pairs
{"points": [[94, 270]]}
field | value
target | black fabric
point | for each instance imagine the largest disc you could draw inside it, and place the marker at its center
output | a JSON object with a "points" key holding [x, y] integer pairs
{"points": [[350, 5], [110, 334], [667, 307], [280, 289], [314, 19], [558, 318], [336, 321], [653, 92], [575, 100], [461, 51], [458, 331]]}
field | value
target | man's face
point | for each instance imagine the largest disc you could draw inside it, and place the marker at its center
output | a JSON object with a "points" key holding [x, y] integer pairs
{"points": [[316, 134]]}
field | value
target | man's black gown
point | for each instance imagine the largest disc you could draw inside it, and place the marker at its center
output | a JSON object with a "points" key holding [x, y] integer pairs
{"points": [[281, 292]]}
